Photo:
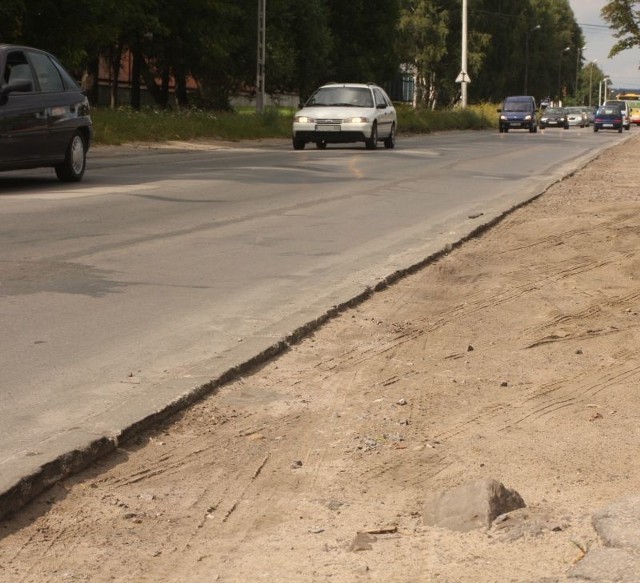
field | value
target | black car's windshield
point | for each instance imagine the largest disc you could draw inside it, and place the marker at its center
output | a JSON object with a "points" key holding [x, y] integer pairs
{"points": [[554, 111], [341, 96]]}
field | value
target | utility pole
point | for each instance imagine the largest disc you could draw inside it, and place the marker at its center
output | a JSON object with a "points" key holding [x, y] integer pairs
{"points": [[464, 73], [260, 77]]}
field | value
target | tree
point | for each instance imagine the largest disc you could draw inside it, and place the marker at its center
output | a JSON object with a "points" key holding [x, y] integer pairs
{"points": [[624, 18], [423, 30]]}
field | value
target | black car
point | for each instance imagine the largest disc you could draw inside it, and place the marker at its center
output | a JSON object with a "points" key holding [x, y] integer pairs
{"points": [[44, 116], [608, 117], [554, 117]]}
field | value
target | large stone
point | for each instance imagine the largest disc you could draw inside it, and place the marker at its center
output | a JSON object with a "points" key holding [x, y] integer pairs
{"points": [[618, 525], [470, 506], [607, 565]]}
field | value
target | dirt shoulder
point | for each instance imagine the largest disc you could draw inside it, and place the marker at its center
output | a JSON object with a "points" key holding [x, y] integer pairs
{"points": [[514, 357]]}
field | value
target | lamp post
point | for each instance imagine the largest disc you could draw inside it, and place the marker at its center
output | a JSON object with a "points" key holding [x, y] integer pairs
{"points": [[591, 63], [566, 50], [260, 73], [577, 70], [602, 86], [526, 57]]}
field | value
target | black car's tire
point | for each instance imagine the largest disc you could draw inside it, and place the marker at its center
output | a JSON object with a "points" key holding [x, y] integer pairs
{"points": [[321, 145], [566, 127], [75, 160], [297, 144], [372, 142], [595, 128], [390, 141]]}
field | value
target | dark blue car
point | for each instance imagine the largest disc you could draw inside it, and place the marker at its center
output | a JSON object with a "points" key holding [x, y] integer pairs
{"points": [[608, 117]]}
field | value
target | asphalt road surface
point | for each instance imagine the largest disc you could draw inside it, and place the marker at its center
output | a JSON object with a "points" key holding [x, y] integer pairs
{"points": [[124, 296]]}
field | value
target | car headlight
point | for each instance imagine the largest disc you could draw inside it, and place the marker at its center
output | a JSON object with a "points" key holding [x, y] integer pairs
{"points": [[527, 118], [356, 120], [303, 119], [544, 119], [503, 117]]}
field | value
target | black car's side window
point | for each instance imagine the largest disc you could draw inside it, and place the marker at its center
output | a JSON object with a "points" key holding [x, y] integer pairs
{"points": [[18, 69], [48, 75]]}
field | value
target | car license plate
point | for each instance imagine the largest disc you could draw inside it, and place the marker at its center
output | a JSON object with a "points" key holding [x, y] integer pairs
{"points": [[607, 125], [328, 128], [553, 123]]}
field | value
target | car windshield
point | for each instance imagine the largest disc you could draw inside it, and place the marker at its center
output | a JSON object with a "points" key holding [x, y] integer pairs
{"points": [[341, 96], [609, 111], [554, 111], [517, 106], [575, 109]]}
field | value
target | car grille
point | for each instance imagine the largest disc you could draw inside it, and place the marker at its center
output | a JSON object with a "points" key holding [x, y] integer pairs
{"points": [[328, 121]]}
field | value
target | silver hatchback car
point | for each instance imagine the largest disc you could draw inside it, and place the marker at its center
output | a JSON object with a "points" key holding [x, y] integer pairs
{"points": [[339, 113]]}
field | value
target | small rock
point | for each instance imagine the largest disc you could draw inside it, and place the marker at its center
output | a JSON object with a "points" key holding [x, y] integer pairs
{"points": [[401, 402], [296, 464]]}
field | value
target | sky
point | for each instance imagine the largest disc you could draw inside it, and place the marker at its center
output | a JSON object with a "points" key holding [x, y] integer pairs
{"points": [[623, 68]]}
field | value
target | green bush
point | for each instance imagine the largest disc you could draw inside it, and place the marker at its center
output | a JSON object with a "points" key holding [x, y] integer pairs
{"points": [[125, 125]]}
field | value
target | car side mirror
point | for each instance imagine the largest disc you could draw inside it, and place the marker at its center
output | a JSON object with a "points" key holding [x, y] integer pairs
{"points": [[21, 86]]}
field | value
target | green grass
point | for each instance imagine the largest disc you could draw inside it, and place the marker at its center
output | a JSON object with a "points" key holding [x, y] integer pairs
{"points": [[125, 125]]}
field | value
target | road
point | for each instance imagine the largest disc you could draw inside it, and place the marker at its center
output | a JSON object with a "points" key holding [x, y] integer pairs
{"points": [[167, 268]]}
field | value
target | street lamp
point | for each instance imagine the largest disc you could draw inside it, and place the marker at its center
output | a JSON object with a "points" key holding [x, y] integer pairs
{"points": [[591, 64], [260, 73], [526, 57], [602, 86], [566, 50], [578, 69]]}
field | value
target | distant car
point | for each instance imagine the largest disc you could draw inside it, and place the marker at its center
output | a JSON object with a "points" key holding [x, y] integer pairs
{"points": [[624, 109], [608, 117], [554, 117], [518, 112], [339, 113], [591, 112], [577, 116], [44, 116]]}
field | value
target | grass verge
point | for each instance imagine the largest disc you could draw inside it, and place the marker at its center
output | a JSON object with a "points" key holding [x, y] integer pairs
{"points": [[123, 125]]}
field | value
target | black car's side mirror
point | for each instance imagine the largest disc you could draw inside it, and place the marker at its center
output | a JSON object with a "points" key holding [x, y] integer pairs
{"points": [[20, 86]]}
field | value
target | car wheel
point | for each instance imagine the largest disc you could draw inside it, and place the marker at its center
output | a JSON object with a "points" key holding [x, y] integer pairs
{"points": [[566, 127], [298, 144], [321, 145], [620, 130], [595, 128], [75, 161], [372, 142], [390, 142]]}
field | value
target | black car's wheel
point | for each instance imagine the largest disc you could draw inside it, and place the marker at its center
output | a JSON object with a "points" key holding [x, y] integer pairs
{"points": [[390, 141], [620, 130], [595, 128], [75, 161], [372, 142], [298, 144], [321, 145]]}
